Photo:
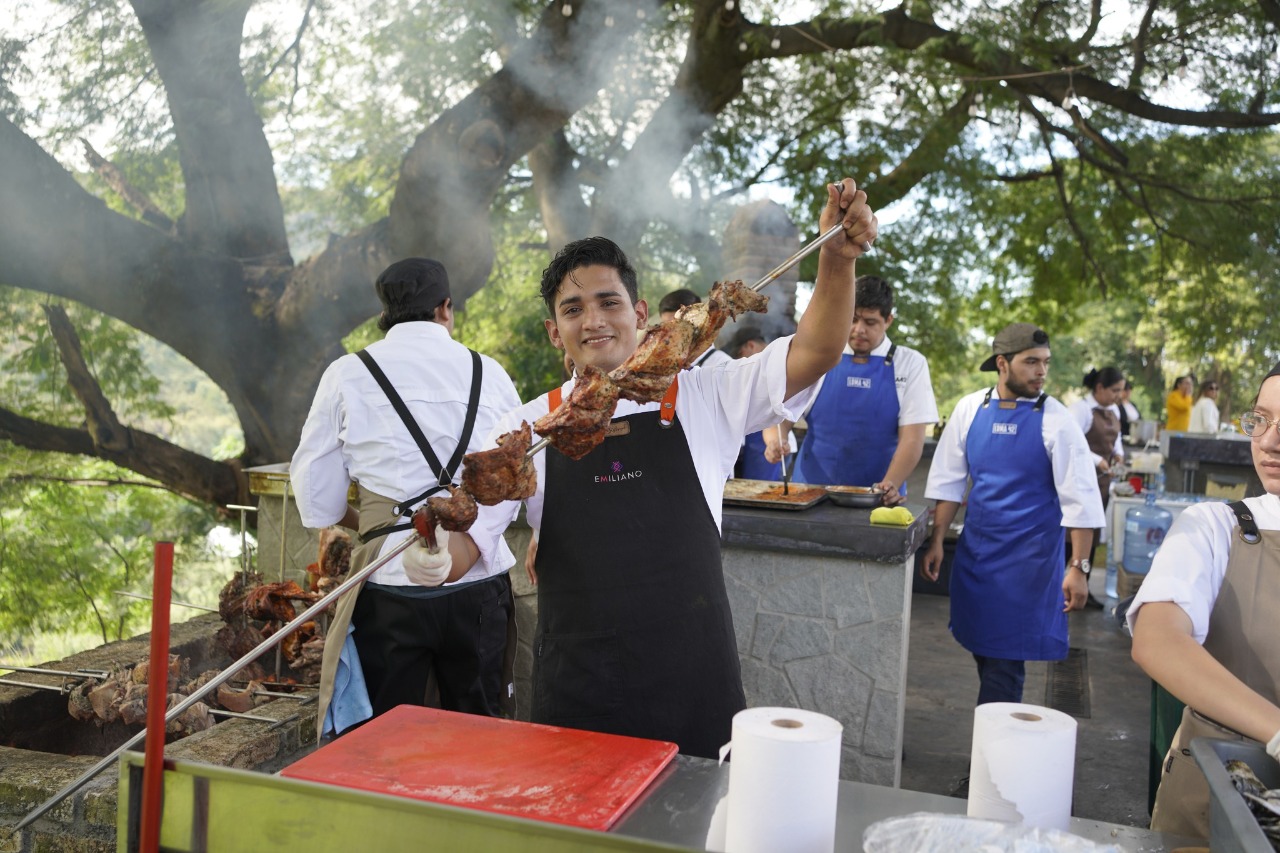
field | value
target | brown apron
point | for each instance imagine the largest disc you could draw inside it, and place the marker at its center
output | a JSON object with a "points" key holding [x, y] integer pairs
{"points": [[1242, 623], [1102, 437], [377, 511]]}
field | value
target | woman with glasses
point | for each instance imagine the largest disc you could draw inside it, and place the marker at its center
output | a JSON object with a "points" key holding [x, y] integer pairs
{"points": [[1204, 415], [1204, 623]]}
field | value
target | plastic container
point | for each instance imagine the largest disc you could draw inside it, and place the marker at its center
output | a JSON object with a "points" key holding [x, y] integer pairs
{"points": [[1144, 530], [1231, 825]]}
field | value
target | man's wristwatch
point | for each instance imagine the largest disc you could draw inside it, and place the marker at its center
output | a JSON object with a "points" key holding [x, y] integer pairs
{"points": [[1083, 565]]}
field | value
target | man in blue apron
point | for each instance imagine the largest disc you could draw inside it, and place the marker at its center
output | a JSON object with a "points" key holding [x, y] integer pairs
{"points": [[867, 425], [761, 457], [635, 635], [1033, 476]]}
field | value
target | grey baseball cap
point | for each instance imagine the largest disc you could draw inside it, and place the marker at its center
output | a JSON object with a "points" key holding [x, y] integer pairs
{"points": [[1014, 338]]}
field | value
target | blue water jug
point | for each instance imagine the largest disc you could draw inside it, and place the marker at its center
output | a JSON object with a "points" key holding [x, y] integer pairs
{"points": [[1144, 530]]}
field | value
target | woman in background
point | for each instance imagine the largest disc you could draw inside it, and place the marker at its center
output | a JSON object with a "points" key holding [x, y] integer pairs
{"points": [[1098, 415], [1177, 406], [1204, 415], [1204, 625]]}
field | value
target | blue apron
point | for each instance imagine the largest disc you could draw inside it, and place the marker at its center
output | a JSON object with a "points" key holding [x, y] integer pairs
{"points": [[1006, 578], [853, 425], [752, 465]]}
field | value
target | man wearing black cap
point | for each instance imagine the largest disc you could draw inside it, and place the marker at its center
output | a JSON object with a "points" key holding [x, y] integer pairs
{"points": [[1033, 476], [396, 419]]}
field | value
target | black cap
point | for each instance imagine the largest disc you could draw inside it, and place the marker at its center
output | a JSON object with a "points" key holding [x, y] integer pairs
{"points": [[411, 285], [1014, 338]]}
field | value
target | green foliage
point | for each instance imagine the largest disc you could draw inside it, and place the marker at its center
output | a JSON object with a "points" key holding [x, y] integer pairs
{"points": [[66, 551]]}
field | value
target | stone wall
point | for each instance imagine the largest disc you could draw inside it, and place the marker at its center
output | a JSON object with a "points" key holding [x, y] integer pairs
{"points": [[86, 821]]}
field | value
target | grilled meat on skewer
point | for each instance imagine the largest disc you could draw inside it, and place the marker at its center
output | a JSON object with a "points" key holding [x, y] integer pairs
{"points": [[579, 424], [456, 512], [503, 473], [671, 346], [728, 299], [647, 372]]}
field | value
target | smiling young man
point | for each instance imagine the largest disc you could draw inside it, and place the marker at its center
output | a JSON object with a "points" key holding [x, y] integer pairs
{"points": [[1033, 476], [866, 426], [635, 635]]}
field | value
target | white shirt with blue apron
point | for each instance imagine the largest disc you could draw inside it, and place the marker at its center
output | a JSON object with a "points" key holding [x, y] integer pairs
{"points": [[852, 429], [1006, 578]]}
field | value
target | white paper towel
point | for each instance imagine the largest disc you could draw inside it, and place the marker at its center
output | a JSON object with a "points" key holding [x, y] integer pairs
{"points": [[1023, 764], [784, 774]]}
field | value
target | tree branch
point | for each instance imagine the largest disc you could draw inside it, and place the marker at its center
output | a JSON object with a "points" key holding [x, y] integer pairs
{"points": [[232, 200], [929, 154], [133, 196], [104, 427], [189, 474]]}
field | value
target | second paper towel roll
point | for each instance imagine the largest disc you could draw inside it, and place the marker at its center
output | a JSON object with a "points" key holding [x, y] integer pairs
{"points": [[784, 774], [1022, 767]]}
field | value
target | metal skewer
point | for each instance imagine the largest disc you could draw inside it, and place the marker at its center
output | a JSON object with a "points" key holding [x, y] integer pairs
{"points": [[79, 673], [172, 601], [222, 677]]}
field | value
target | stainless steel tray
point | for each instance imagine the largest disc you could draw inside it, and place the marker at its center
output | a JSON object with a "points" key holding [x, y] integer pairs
{"points": [[767, 494]]}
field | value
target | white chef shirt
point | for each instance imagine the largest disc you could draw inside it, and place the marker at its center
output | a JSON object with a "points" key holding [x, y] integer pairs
{"points": [[711, 358], [1073, 470], [716, 407], [1192, 562], [1204, 416], [352, 433], [916, 403], [1082, 412]]}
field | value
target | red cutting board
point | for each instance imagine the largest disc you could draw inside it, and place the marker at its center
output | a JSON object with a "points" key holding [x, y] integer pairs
{"points": [[567, 776]]}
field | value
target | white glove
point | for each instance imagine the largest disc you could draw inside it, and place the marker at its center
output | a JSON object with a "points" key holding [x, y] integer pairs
{"points": [[426, 567], [1273, 746]]}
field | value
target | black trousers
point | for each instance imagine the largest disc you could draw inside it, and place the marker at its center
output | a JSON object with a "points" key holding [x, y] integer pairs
{"points": [[459, 640]]}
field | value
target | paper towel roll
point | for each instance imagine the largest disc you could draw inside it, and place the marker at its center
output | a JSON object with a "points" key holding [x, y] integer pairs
{"points": [[783, 777], [1023, 764]]}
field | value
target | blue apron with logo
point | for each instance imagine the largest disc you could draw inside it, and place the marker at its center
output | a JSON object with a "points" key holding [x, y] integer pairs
{"points": [[852, 425], [754, 465], [1006, 578]]}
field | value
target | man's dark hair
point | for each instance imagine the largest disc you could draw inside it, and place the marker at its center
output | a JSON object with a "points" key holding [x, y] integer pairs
{"points": [[411, 290], [588, 252], [874, 292], [677, 299]]}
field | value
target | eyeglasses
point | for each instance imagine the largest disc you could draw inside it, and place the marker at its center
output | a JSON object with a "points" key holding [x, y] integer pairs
{"points": [[1254, 424], [1211, 388]]}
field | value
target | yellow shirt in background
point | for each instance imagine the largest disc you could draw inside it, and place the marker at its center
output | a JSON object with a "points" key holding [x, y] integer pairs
{"points": [[1177, 408]]}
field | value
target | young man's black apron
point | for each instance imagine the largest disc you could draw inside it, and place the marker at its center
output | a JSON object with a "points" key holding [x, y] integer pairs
{"points": [[635, 635]]}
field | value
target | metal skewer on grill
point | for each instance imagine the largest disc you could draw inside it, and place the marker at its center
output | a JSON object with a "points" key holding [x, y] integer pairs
{"points": [[220, 679]]}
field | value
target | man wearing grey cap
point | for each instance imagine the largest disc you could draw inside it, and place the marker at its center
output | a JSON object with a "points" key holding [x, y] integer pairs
{"points": [[396, 419], [1033, 476]]}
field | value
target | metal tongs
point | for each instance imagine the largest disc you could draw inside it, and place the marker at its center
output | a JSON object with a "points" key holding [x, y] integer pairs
{"points": [[786, 475]]}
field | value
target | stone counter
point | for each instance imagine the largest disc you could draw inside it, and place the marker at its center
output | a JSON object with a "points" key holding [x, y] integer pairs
{"points": [[1196, 463], [822, 610]]}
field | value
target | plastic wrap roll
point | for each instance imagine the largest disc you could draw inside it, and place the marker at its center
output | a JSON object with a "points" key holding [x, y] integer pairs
{"points": [[784, 774], [1022, 767]]}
